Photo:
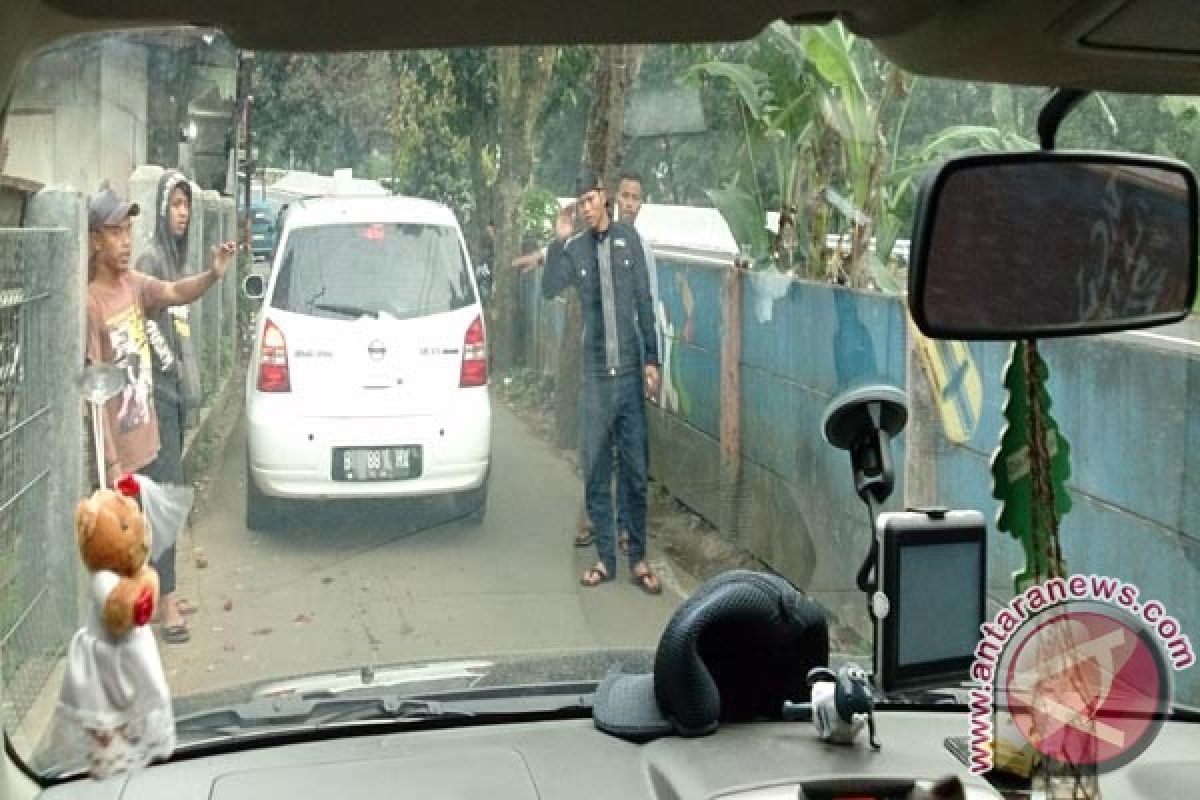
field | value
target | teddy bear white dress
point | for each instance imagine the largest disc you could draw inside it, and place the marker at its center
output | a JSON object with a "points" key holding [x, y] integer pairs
{"points": [[115, 708]]}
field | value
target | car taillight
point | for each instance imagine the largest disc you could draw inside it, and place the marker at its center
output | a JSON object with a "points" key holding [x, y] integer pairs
{"points": [[272, 361], [474, 362]]}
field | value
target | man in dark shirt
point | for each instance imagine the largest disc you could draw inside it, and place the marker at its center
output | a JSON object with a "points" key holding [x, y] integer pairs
{"points": [[606, 264]]}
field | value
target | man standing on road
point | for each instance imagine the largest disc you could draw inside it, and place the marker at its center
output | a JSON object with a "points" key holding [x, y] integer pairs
{"points": [[119, 301], [606, 265], [630, 194]]}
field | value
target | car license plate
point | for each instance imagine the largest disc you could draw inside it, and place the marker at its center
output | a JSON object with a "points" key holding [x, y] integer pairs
{"points": [[376, 463]]}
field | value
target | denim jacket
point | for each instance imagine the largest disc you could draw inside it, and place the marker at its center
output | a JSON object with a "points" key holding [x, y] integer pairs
{"points": [[575, 263]]}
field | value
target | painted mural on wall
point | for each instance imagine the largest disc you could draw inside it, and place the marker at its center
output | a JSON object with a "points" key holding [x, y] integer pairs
{"points": [[690, 320], [954, 381], [678, 326]]}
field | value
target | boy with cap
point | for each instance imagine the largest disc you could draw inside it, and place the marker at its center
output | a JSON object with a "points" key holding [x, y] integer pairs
{"points": [[118, 302], [606, 265]]}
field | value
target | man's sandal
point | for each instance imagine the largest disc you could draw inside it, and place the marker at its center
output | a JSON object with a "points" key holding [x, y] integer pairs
{"points": [[646, 580], [595, 575]]}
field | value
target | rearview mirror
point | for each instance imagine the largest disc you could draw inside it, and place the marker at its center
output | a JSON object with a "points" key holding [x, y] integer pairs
{"points": [[1045, 244], [253, 287]]}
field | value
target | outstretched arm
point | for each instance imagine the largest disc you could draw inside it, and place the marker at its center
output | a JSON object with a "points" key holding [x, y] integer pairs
{"points": [[190, 289]]}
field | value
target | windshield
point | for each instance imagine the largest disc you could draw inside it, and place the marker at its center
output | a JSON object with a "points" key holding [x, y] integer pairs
{"points": [[478, 362]]}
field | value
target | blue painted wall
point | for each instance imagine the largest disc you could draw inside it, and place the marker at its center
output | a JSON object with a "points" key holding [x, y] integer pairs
{"points": [[1128, 408]]}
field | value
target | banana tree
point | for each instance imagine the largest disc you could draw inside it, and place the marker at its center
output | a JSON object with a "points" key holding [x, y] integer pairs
{"points": [[776, 97], [810, 126], [904, 174], [822, 146], [853, 120]]}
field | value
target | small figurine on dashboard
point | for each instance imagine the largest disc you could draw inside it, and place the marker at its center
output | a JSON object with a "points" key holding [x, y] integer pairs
{"points": [[842, 704]]}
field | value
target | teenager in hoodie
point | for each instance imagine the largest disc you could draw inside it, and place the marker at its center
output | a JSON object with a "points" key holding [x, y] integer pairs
{"points": [[176, 373]]}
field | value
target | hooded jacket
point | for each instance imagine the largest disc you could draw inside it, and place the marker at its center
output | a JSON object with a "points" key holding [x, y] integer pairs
{"points": [[177, 375]]}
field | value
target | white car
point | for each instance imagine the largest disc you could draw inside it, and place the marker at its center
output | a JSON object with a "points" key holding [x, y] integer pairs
{"points": [[369, 372]]}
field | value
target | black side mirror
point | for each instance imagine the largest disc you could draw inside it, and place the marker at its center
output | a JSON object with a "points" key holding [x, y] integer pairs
{"points": [[253, 287]]}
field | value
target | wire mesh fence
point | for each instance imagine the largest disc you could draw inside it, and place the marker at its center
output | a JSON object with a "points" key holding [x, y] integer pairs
{"points": [[37, 595]]}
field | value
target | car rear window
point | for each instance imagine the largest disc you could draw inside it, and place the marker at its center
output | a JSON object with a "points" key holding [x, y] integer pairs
{"points": [[402, 270]]}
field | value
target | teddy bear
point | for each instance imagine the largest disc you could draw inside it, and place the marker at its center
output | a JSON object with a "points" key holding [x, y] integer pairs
{"points": [[114, 538], [114, 707]]}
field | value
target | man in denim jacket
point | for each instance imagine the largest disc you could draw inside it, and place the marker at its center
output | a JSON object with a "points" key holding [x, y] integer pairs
{"points": [[606, 265]]}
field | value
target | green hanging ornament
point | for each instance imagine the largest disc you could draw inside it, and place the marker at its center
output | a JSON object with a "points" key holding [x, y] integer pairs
{"points": [[1030, 468]]}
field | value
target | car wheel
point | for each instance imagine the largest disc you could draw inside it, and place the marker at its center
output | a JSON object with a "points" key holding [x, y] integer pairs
{"points": [[473, 503], [262, 512]]}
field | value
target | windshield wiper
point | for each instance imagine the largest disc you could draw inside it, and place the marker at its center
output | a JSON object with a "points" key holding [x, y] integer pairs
{"points": [[315, 711], [300, 711], [348, 310]]}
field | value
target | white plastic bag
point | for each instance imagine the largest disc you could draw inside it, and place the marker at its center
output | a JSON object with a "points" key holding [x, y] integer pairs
{"points": [[167, 507]]}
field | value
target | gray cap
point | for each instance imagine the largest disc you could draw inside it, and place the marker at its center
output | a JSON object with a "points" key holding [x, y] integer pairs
{"points": [[106, 208]]}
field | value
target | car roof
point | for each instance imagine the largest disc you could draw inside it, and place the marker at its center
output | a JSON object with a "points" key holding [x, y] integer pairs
{"points": [[358, 210]]}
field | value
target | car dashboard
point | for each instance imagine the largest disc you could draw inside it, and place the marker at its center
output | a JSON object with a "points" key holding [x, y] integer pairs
{"points": [[572, 759]]}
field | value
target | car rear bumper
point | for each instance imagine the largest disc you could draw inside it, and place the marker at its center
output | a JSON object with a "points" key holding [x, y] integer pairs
{"points": [[291, 455], [304, 484]]}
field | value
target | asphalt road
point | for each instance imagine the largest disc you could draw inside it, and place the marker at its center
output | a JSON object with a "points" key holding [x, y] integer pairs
{"points": [[341, 586]]}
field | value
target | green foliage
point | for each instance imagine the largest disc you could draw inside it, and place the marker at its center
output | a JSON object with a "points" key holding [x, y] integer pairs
{"points": [[803, 118], [539, 209], [323, 111], [563, 123], [745, 217], [431, 148], [527, 389]]}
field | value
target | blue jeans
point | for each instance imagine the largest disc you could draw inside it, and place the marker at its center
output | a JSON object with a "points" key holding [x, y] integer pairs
{"points": [[614, 418]]}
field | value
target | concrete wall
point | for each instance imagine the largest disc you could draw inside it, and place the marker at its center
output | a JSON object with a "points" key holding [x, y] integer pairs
{"points": [[210, 331], [802, 344], [1127, 406], [78, 116]]}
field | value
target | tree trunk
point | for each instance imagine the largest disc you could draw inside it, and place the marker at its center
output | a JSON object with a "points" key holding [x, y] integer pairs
{"points": [[522, 77], [604, 146], [481, 189], [615, 74]]}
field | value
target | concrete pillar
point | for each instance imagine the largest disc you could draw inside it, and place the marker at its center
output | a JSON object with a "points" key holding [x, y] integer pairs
{"points": [[731, 400], [230, 286], [197, 261], [143, 190], [62, 274], [211, 301]]}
